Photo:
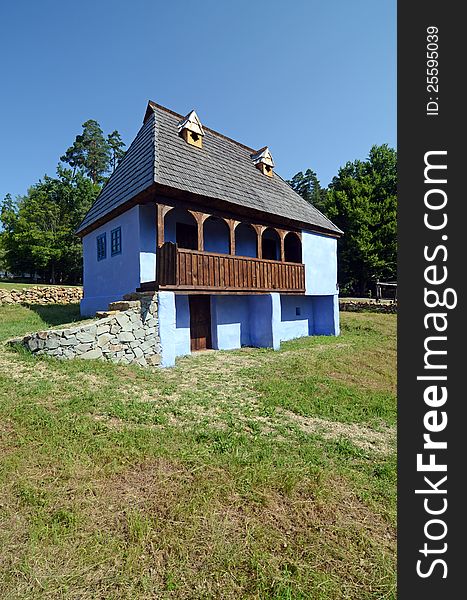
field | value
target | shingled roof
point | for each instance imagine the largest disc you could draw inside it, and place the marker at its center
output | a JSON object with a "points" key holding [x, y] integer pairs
{"points": [[223, 169]]}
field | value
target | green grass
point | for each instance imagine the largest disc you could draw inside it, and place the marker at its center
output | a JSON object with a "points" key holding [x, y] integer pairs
{"points": [[245, 474]]}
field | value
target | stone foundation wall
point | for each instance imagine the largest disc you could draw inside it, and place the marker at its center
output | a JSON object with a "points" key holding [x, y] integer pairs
{"points": [[41, 295], [127, 333]]}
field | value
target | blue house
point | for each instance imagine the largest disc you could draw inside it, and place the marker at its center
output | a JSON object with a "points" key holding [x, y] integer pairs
{"points": [[234, 255]]}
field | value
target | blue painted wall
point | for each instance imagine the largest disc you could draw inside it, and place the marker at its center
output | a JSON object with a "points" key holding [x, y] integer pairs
{"points": [[245, 241], [182, 326], [216, 236], [320, 258], [148, 242], [230, 322], [167, 328], [261, 321], [109, 279], [326, 315], [293, 325]]}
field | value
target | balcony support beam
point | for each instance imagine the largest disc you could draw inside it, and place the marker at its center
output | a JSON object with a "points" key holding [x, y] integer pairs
{"points": [[232, 223], [162, 210], [259, 233], [200, 218]]}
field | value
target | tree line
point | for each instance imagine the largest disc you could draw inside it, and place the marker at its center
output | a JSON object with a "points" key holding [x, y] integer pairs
{"points": [[38, 229], [362, 201]]}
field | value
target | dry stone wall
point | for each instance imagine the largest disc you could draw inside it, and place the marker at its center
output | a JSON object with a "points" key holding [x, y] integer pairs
{"points": [[127, 333], [367, 306], [41, 295]]}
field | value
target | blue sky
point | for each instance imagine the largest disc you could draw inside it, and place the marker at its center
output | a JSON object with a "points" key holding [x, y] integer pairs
{"points": [[315, 80]]}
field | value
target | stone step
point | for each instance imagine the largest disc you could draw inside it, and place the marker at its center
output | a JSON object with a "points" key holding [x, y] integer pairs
{"points": [[103, 314], [123, 305]]}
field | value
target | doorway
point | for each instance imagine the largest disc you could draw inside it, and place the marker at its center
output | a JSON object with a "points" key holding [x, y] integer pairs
{"points": [[186, 236], [200, 322]]}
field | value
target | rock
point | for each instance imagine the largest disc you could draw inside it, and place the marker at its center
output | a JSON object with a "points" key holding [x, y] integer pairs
{"points": [[115, 347], [91, 354], [33, 344], [153, 360], [123, 320], [124, 305], [68, 341], [104, 328], [147, 345], [80, 348], [126, 336], [138, 352], [103, 339], [85, 337]]}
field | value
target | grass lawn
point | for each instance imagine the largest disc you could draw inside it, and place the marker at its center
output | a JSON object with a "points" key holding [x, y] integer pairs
{"points": [[244, 474]]}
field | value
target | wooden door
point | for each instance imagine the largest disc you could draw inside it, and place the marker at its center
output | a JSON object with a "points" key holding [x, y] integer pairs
{"points": [[200, 322]]}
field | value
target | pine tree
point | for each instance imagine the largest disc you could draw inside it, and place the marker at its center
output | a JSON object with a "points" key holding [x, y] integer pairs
{"points": [[309, 187], [116, 146], [90, 152]]}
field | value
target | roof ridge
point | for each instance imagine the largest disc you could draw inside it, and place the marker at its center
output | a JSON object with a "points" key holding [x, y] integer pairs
{"points": [[221, 135]]}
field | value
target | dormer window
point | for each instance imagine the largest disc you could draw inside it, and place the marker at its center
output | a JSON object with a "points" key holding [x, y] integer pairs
{"points": [[263, 161], [191, 130]]}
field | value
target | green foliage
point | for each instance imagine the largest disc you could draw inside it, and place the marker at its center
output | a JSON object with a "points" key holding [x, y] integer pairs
{"points": [[362, 201], [116, 146], [39, 227], [93, 154], [309, 187]]}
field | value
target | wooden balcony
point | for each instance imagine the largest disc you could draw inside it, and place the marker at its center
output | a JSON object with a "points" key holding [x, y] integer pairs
{"points": [[194, 271]]}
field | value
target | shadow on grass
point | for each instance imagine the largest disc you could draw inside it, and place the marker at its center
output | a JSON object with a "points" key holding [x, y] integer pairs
{"points": [[57, 314]]}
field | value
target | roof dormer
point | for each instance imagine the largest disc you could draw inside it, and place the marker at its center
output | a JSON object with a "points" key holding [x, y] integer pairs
{"points": [[191, 130], [263, 161]]}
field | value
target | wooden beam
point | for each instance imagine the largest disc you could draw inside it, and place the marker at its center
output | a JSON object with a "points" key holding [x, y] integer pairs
{"points": [[200, 217], [282, 233], [259, 242], [162, 210], [232, 223]]}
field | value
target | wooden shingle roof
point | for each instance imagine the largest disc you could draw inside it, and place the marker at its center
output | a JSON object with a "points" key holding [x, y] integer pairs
{"points": [[222, 169]]}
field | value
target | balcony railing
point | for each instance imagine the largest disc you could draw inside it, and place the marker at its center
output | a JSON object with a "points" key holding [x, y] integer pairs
{"points": [[182, 269]]}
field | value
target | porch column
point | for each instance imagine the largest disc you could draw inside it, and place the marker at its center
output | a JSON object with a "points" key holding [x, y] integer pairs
{"points": [[162, 210], [282, 235], [232, 223], [200, 218], [259, 233]]}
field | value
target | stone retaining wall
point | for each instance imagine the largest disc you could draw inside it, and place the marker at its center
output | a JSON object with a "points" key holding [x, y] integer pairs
{"points": [[41, 295], [127, 333], [369, 306]]}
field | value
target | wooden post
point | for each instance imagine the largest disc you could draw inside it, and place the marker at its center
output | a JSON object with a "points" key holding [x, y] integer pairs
{"points": [[200, 218], [259, 232], [232, 223], [162, 210], [282, 235]]}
